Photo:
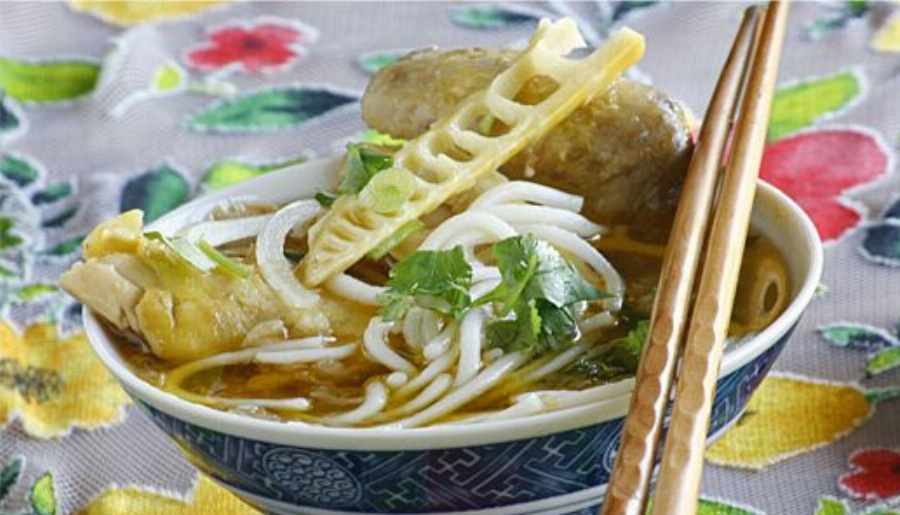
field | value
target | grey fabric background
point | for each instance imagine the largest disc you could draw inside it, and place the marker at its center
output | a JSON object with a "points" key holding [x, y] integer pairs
{"points": [[686, 45]]}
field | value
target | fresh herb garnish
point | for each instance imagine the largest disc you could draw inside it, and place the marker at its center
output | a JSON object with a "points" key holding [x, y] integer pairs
{"points": [[436, 280], [537, 295], [619, 358], [325, 198], [397, 237], [362, 164], [388, 191], [225, 263], [184, 249], [540, 288], [381, 139]]}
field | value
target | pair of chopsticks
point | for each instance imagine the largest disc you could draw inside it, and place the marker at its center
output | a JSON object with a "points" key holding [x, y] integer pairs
{"points": [[748, 80]]}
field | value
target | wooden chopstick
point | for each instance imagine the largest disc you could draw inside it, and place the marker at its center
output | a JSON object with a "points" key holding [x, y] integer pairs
{"points": [[630, 480], [682, 464]]}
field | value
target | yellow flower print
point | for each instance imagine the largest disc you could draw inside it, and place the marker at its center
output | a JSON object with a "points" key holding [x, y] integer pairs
{"points": [[126, 13], [887, 39], [208, 499], [54, 384], [789, 416]]}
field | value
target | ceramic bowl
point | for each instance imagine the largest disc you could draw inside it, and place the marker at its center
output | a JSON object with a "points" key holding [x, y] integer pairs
{"points": [[551, 463]]}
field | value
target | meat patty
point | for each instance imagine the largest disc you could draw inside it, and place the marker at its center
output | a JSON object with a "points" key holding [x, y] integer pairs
{"points": [[626, 150]]}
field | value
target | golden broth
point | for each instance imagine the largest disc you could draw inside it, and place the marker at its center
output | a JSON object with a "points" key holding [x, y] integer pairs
{"points": [[339, 386]]}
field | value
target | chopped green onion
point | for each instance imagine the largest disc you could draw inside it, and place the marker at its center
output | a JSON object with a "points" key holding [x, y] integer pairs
{"points": [[361, 165], [388, 190], [325, 198], [405, 231], [185, 250], [485, 124], [381, 139], [227, 264]]}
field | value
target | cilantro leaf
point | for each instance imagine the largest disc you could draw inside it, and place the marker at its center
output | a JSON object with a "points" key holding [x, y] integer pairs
{"points": [[533, 269], [619, 359], [436, 280], [325, 198], [540, 287], [362, 163], [626, 352], [518, 333]]}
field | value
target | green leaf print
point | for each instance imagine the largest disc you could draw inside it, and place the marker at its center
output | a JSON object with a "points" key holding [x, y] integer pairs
{"points": [[10, 117], [61, 219], [829, 506], [18, 170], [52, 194], [797, 106], [8, 239], [371, 62], [858, 336], [168, 77], [710, 507], [269, 110], [156, 192], [229, 172], [10, 475], [65, 247], [883, 360], [43, 497], [47, 81], [33, 291], [498, 17]]}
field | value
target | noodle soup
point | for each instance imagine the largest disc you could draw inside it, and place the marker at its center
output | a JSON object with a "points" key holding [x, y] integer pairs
{"points": [[496, 257], [325, 390]]}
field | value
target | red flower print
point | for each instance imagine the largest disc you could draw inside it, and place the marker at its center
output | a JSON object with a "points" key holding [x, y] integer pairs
{"points": [[816, 168], [875, 475], [265, 45]]}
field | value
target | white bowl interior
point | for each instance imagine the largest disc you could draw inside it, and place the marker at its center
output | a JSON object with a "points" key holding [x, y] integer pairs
{"points": [[775, 215]]}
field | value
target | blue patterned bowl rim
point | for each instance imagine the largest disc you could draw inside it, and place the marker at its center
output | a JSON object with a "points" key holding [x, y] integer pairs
{"points": [[775, 215]]}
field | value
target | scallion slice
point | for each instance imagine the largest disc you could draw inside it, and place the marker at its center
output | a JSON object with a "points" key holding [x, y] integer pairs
{"points": [[224, 262]]}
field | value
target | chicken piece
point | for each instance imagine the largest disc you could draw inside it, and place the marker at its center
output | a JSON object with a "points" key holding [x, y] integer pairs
{"points": [[626, 150], [141, 286]]}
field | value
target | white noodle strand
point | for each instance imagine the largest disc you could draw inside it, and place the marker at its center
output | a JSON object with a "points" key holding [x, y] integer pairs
{"points": [[431, 393], [526, 405], [471, 333], [439, 344], [246, 355], [429, 325], [412, 329], [396, 379], [220, 232], [351, 288], [562, 360], [293, 404], [484, 273], [598, 321], [561, 399], [492, 227], [428, 375], [273, 266], [375, 341], [524, 191], [305, 356], [516, 214], [479, 384], [376, 399], [483, 288]]}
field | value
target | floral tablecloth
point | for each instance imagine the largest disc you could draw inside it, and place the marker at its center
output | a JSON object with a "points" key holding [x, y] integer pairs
{"points": [[108, 106]]}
